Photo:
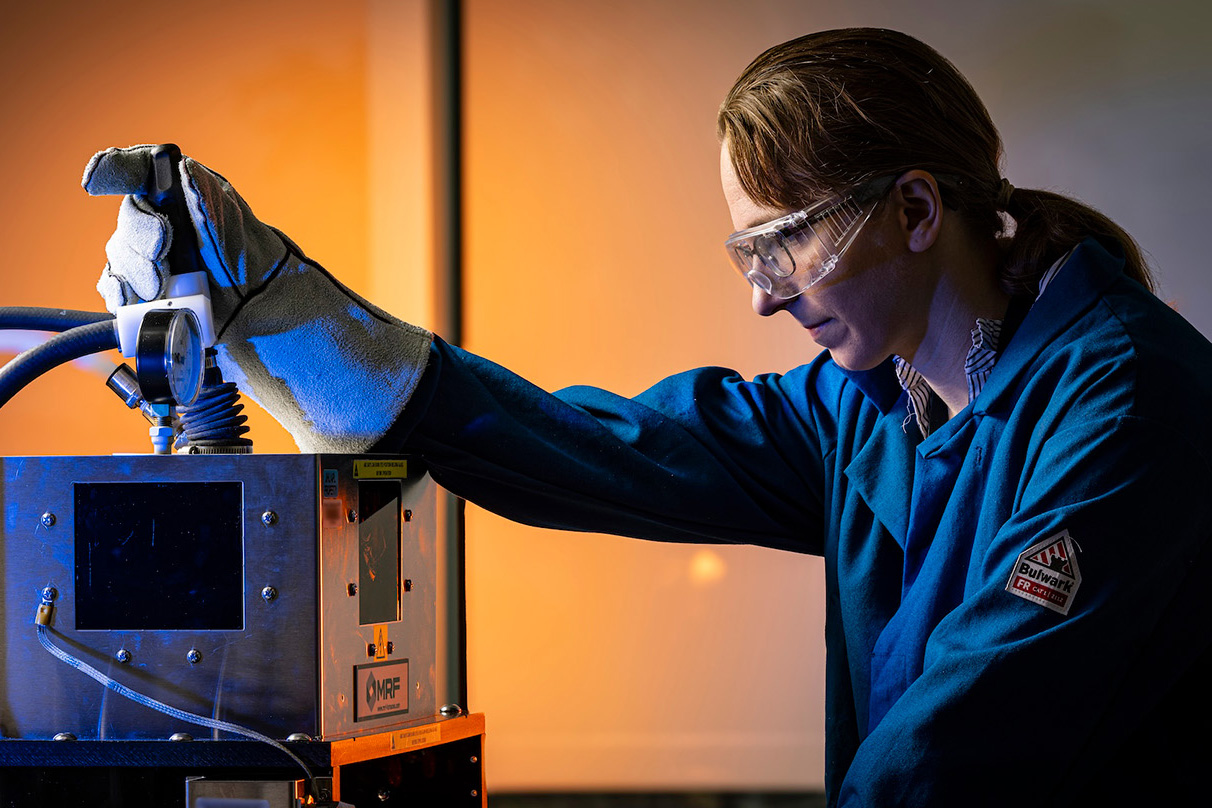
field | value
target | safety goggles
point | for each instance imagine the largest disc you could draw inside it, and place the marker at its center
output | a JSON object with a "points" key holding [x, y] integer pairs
{"points": [[786, 256]]}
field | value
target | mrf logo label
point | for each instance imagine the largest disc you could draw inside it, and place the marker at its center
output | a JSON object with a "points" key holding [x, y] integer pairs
{"points": [[1046, 573], [381, 690]]}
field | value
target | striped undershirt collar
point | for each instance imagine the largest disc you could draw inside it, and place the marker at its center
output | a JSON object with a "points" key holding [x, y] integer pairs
{"points": [[986, 347]]}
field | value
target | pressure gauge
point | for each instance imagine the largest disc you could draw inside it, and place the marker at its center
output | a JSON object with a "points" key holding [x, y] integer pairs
{"points": [[168, 357]]}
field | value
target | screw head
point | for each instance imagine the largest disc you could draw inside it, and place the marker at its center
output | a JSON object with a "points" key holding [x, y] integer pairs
{"points": [[194, 656], [123, 655], [47, 519], [64, 736], [268, 594], [49, 593], [269, 518]]}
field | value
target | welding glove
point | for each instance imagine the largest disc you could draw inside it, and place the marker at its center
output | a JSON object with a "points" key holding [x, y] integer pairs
{"points": [[332, 368]]}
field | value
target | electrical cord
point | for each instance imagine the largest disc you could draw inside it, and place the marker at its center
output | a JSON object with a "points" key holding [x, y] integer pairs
{"points": [[40, 624]]}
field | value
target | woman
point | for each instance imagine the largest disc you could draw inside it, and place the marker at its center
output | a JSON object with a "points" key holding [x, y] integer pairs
{"points": [[1001, 456]]}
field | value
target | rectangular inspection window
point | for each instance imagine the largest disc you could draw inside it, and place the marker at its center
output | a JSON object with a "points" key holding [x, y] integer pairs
{"points": [[159, 556], [378, 551]]}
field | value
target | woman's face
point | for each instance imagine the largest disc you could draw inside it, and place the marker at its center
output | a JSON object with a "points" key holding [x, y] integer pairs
{"points": [[872, 305]]}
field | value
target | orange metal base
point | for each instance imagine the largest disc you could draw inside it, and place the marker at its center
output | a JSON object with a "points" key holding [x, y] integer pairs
{"points": [[468, 729]]}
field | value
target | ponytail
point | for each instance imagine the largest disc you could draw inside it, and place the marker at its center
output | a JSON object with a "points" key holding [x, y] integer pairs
{"points": [[1046, 226]]}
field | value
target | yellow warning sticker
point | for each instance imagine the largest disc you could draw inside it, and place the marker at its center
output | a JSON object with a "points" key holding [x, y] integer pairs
{"points": [[380, 469], [421, 736], [381, 641]]}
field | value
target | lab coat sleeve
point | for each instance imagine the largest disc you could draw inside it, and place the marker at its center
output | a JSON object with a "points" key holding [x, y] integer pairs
{"points": [[1017, 701], [703, 456]]}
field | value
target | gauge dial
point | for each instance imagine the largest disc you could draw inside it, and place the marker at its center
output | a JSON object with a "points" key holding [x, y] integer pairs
{"points": [[168, 359]]}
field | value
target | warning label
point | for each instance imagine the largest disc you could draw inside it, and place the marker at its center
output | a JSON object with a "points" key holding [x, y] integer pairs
{"points": [[1046, 573], [380, 469]]}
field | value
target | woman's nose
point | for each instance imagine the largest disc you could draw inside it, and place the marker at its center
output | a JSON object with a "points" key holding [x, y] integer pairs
{"points": [[763, 304]]}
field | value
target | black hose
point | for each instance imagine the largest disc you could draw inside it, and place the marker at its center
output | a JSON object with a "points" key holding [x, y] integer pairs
{"points": [[71, 344], [38, 318], [214, 423], [215, 419]]}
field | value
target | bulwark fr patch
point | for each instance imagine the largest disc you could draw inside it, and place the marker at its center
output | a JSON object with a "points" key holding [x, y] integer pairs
{"points": [[1046, 573]]}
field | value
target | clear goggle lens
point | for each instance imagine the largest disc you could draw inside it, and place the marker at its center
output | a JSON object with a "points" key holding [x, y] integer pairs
{"points": [[786, 256]]}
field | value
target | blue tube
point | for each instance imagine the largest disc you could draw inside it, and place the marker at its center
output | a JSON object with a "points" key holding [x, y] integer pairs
{"points": [[38, 318], [73, 343]]}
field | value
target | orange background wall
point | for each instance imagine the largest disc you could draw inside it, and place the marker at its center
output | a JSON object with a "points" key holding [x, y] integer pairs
{"points": [[594, 220], [283, 115]]}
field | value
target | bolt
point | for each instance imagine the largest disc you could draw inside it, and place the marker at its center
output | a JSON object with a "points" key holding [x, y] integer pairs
{"points": [[475, 793], [48, 519], [194, 656], [351, 515], [352, 589], [407, 515], [180, 736], [49, 593], [123, 655], [384, 795], [451, 709], [64, 736], [269, 518], [298, 736], [370, 649], [268, 594], [475, 759], [391, 647], [408, 584]]}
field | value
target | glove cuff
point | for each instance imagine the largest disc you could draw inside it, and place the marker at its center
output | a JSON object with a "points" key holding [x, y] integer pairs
{"points": [[333, 369]]}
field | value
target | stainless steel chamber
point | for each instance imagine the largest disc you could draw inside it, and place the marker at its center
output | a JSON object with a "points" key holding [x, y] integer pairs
{"points": [[291, 594]]}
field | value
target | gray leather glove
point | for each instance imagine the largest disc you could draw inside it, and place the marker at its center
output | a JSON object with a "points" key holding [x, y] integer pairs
{"points": [[332, 368]]}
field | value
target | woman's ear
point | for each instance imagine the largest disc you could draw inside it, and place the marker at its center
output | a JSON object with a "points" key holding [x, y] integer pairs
{"points": [[919, 208]]}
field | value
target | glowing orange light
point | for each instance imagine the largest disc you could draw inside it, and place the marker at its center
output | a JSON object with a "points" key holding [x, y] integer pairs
{"points": [[706, 568]]}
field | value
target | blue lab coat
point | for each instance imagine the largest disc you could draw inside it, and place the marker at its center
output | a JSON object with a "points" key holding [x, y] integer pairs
{"points": [[944, 686]]}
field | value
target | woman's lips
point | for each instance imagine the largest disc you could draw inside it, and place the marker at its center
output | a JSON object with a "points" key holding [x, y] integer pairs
{"points": [[815, 328]]}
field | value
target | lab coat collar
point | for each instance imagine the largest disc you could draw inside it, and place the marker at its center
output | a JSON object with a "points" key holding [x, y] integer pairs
{"points": [[1090, 270], [879, 384], [882, 472]]}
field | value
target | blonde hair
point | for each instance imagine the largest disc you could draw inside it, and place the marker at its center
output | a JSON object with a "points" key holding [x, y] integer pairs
{"points": [[826, 112]]}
